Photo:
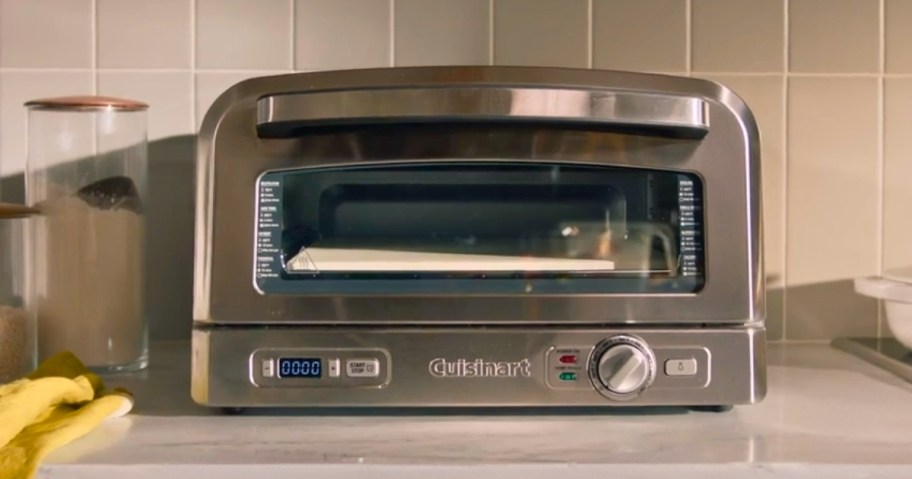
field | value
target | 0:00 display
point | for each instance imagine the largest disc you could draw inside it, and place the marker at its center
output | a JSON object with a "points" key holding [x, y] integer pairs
{"points": [[300, 368]]}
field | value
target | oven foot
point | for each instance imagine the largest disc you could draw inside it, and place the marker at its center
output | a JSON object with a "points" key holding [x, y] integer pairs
{"points": [[233, 411], [717, 408]]}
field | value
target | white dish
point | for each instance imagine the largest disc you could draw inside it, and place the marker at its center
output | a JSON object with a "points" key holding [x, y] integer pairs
{"points": [[895, 288]]}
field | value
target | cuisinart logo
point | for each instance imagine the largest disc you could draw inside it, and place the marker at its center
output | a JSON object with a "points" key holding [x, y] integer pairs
{"points": [[479, 368]]}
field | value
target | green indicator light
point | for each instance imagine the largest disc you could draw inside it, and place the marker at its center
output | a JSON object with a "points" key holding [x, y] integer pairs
{"points": [[568, 376]]}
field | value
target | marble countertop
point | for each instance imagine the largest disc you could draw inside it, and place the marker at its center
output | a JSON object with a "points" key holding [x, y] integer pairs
{"points": [[827, 414]]}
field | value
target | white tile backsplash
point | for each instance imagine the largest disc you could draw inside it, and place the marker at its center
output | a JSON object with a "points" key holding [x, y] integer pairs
{"points": [[738, 35], [243, 35], [342, 34], [541, 33], [834, 36], [639, 35], [46, 34], [809, 69], [833, 179], [898, 36], [833, 191], [897, 217], [442, 32], [144, 34]]}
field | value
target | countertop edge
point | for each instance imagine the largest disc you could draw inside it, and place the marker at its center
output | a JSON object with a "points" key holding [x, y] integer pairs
{"points": [[527, 471]]}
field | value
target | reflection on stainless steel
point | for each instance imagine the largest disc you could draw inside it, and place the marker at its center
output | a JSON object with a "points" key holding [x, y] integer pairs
{"points": [[632, 131], [688, 114]]}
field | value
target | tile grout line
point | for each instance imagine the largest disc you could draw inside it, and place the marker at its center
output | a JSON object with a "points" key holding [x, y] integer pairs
{"points": [[280, 70], [94, 27], [688, 37], [590, 40], [833, 75], [785, 166], [491, 32], [392, 39], [293, 51], [143, 70], [94, 10], [193, 81], [743, 74], [881, 156]]}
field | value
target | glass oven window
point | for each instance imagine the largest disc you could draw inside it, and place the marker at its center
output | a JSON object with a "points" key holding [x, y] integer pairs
{"points": [[490, 226]]}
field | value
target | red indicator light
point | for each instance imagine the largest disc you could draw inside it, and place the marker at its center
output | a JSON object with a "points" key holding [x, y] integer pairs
{"points": [[567, 359]]}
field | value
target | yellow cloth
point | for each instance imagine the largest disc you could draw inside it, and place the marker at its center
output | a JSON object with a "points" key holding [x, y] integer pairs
{"points": [[57, 403]]}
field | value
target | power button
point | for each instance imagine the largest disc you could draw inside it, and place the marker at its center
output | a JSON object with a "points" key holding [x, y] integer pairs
{"points": [[681, 367]]}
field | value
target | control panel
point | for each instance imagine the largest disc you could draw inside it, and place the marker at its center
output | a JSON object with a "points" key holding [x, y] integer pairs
{"points": [[400, 366], [320, 368], [620, 367]]}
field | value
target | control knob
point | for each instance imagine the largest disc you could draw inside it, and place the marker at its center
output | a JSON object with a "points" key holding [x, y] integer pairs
{"points": [[622, 367]]}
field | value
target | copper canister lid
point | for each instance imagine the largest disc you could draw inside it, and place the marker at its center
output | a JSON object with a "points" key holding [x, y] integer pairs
{"points": [[88, 102], [13, 211]]}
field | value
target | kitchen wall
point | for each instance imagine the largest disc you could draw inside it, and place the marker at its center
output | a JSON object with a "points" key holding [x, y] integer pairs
{"points": [[830, 82]]}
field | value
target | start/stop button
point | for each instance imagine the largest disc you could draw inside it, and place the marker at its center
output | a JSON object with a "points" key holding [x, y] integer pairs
{"points": [[362, 368]]}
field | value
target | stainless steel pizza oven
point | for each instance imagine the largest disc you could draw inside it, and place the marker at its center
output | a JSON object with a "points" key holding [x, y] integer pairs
{"points": [[478, 236]]}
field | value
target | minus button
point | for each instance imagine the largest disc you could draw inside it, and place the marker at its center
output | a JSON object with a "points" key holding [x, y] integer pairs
{"points": [[268, 368]]}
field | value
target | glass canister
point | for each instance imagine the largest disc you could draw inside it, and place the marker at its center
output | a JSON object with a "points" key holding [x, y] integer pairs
{"points": [[17, 329], [87, 168]]}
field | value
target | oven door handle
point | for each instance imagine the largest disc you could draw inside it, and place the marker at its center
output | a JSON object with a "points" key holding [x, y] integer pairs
{"points": [[288, 115]]}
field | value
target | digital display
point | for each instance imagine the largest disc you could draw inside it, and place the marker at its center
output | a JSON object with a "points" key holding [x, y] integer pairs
{"points": [[300, 368]]}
